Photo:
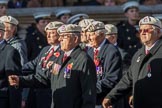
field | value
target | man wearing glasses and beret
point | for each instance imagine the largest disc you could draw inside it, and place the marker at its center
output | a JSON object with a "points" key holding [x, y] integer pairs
{"points": [[144, 75], [72, 77], [41, 98]]}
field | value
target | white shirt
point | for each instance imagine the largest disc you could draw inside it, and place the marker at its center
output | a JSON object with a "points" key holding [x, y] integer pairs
{"points": [[68, 52]]}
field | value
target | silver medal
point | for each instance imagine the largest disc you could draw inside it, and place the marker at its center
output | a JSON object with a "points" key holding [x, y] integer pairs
{"points": [[138, 59], [149, 74]]}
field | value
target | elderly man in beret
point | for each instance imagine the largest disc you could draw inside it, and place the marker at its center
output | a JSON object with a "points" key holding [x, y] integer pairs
{"points": [[112, 36], [36, 40], [84, 37], [11, 26], [10, 63], [72, 76], [106, 58], [42, 97], [144, 74]]}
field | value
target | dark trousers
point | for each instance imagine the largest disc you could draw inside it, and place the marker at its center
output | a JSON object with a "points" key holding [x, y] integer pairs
{"points": [[4, 102]]}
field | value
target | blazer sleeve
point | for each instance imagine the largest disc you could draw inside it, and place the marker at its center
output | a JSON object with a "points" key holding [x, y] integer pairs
{"points": [[13, 63], [39, 80], [22, 49], [122, 88], [30, 67], [13, 66]]}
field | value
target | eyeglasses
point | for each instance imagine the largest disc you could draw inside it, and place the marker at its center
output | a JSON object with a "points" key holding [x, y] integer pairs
{"points": [[149, 30], [65, 36]]}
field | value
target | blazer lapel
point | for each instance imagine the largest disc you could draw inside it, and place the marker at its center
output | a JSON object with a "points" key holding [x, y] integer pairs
{"points": [[90, 52], [102, 51], [156, 47], [2, 46]]}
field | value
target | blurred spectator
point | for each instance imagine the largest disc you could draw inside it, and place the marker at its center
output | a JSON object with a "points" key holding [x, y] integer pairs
{"points": [[149, 2], [112, 36], [51, 3], [35, 37], [75, 19], [3, 7], [17, 4], [58, 2], [81, 2], [95, 2], [33, 3], [109, 2], [120, 2], [63, 15], [128, 30]]}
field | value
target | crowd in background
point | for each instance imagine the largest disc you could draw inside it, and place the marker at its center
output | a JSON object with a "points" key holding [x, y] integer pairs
{"points": [[55, 3]]}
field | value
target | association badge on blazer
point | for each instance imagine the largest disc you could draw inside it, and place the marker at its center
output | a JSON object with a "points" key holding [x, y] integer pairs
{"points": [[67, 71], [49, 64], [56, 69]]}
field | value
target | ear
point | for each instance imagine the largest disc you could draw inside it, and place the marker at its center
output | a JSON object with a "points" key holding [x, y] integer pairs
{"points": [[158, 31], [126, 14], [76, 39], [1, 37]]}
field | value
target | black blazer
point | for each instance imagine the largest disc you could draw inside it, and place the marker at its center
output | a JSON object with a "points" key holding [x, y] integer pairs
{"points": [[10, 64], [75, 89], [145, 77]]}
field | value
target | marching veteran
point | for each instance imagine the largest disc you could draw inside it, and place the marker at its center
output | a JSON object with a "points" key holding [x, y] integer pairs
{"points": [[10, 64], [144, 74], [41, 62], [84, 36], [11, 26], [107, 60], [73, 76]]}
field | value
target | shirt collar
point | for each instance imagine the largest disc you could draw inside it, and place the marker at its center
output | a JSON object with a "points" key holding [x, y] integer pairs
{"points": [[55, 47], [115, 44], [68, 52]]}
